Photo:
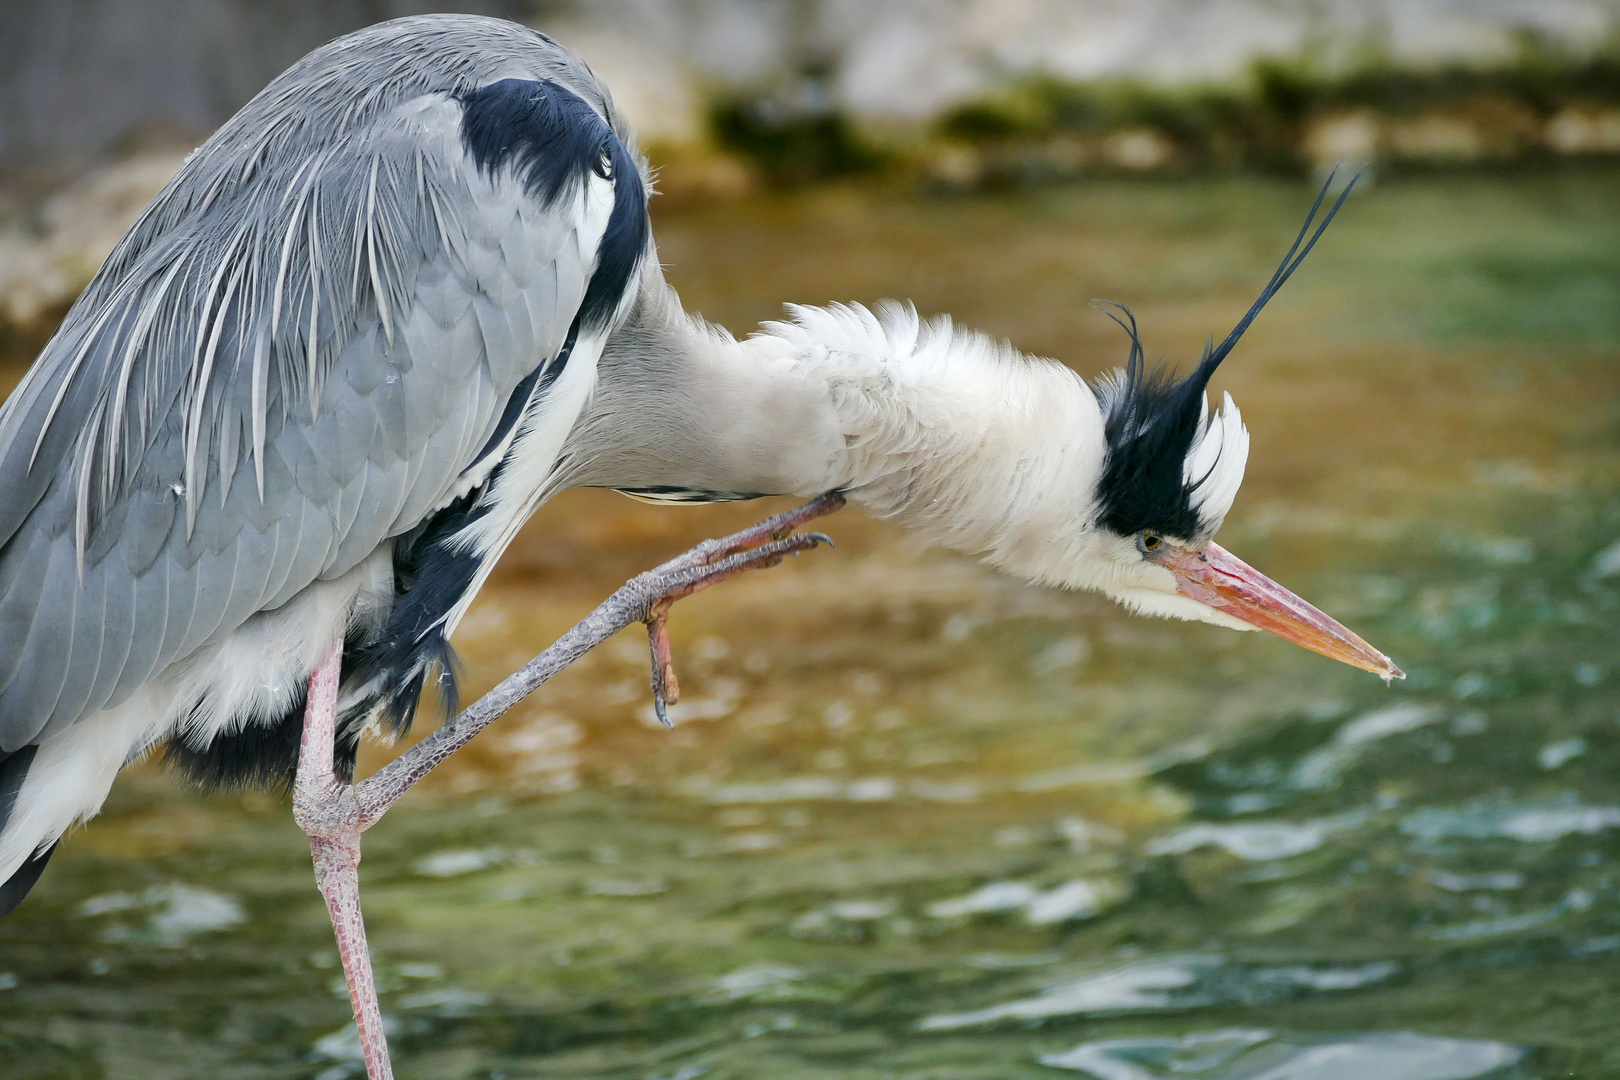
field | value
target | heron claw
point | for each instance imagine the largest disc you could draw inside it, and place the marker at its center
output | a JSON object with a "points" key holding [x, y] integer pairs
{"points": [[666, 689], [763, 545]]}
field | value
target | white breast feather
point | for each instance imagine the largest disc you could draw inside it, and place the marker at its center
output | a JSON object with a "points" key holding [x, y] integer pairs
{"points": [[524, 483]]}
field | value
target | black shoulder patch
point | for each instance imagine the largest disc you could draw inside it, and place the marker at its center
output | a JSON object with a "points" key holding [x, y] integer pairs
{"points": [[1151, 416], [554, 140]]}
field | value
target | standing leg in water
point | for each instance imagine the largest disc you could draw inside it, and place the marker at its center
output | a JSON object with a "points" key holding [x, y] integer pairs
{"points": [[334, 814]]}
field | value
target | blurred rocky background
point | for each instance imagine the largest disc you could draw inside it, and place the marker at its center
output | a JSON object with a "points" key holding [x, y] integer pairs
{"points": [[100, 99]]}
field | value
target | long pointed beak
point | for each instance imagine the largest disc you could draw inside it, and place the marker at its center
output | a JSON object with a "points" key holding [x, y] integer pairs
{"points": [[1221, 580]]}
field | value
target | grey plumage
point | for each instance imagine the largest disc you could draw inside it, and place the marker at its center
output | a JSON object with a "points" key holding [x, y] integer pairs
{"points": [[402, 298], [290, 358]]}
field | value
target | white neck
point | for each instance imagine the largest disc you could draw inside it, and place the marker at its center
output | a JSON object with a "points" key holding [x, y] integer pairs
{"points": [[957, 436], [953, 434]]}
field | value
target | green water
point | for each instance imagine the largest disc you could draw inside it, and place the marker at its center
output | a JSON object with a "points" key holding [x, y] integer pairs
{"points": [[919, 821]]}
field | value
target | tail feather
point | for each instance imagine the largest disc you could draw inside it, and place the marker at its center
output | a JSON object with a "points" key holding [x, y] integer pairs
{"points": [[15, 887], [13, 770]]}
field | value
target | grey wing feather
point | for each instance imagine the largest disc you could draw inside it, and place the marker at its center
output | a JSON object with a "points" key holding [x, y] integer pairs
{"points": [[46, 648], [290, 359], [21, 585], [117, 634], [150, 607], [89, 632]]}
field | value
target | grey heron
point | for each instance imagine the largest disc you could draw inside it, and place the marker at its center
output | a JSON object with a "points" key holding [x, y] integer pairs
{"points": [[404, 296]]}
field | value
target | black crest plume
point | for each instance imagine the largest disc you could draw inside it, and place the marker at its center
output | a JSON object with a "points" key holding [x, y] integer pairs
{"points": [[1151, 416]]}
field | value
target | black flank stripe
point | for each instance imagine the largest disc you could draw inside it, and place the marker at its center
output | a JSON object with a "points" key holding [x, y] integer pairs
{"points": [[518, 403]]}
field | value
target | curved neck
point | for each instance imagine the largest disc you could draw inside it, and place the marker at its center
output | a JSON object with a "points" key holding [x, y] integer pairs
{"points": [[983, 448]]}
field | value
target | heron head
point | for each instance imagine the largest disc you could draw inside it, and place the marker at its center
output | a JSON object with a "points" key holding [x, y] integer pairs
{"points": [[1170, 473]]}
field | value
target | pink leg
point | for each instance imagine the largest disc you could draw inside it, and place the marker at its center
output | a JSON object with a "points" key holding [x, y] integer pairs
{"points": [[644, 599], [329, 814], [333, 814]]}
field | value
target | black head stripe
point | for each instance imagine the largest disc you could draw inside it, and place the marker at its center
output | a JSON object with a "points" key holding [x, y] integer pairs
{"points": [[1151, 416], [1149, 429], [554, 141]]}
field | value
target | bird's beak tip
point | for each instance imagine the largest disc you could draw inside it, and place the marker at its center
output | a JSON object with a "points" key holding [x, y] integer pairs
{"points": [[1216, 578]]}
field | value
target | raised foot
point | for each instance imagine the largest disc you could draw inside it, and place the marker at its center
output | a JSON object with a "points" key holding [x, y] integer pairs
{"points": [[755, 548]]}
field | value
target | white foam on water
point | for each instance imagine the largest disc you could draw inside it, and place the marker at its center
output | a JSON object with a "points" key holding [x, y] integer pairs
{"points": [[861, 910], [1328, 979], [1150, 986], [1607, 562], [756, 979], [994, 898], [1528, 823], [1396, 1056], [1558, 754], [1081, 898], [454, 863], [1321, 769], [1151, 1059], [178, 912], [1254, 841], [1170, 984], [1236, 1054], [1078, 899], [871, 789]]}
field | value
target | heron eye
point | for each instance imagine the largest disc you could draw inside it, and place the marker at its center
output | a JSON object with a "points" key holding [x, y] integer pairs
{"points": [[604, 166], [1148, 542]]}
